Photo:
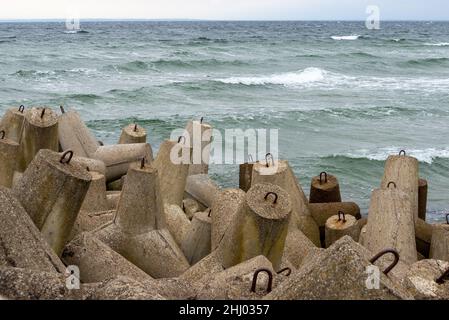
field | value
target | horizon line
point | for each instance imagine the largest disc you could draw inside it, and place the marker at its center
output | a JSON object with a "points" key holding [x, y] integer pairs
{"points": [[214, 20]]}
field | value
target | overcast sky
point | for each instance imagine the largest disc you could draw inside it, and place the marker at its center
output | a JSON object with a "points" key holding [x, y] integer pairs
{"points": [[226, 9]]}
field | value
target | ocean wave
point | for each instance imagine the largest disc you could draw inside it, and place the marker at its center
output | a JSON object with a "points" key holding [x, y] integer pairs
{"points": [[351, 37], [439, 44], [428, 61], [50, 73], [427, 155], [197, 63], [290, 78], [76, 32]]}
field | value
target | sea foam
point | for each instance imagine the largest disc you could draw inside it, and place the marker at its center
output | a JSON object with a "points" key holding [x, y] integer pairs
{"points": [[305, 76], [352, 37], [427, 155]]}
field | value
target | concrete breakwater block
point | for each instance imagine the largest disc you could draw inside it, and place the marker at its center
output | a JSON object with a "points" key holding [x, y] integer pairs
{"points": [[391, 223], [74, 135], [95, 199], [133, 133], [202, 188], [118, 158], [90, 164], [323, 211], [298, 247], [9, 159], [26, 284], [423, 233], [439, 248], [40, 131], [260, 228], [12, 123], [89, 221], [428, 280], [177, 223], [98, 262], [199, 138], [339, 272], [21, 243], [190, 207], [138, 231], [280, 173], [172, 174], [403, 170], [123, 288], [245, 175], [227, 205], [197, 241], [422, 198], [52, 191], [324, 188], [339, 226], [240, 282]]}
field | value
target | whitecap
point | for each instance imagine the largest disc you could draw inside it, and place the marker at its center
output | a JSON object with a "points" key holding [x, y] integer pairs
{"points": [[305, 76], [440, 44], [352, 37], [427, 155]]}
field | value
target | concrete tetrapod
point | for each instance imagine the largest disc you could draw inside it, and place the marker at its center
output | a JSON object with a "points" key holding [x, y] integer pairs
{"points": [[428, 280], [138, 231], [339, 226], [172, 174], [391, 223], [190, 207], [199, 135], [439, 247], [422, 199], [197, 241], [423, 233], [280, 174], [89, 221], [52, 190], [245, 175], [227, 205], [202, 188], [403, 170], [74, 135], [324, 188], [21, 243], [98, 262], [118, 158], [177, 223], [338, 273], [12, 123], [9, 159], [133, 133], [260, 228], [40, 131]]}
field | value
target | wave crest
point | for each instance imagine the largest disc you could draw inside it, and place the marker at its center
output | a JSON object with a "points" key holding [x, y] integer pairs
{"points": [[351, 37]]}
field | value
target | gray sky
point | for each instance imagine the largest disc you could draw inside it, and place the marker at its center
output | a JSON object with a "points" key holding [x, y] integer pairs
{"points": [[225, 9]]}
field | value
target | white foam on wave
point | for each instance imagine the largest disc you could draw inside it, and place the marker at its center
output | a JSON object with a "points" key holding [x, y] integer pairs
{"points": [[352, 37], [308, 75], [427, 155], [440, 44]]}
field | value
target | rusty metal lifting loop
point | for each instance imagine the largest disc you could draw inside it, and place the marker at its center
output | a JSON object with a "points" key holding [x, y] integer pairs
{"points": [[256, 275], [201, 120], [180, 138], [210, 212], [382, 253], [391, 183], [402, 152], [325, 177], [62, 109], [447, 218], [275, 196], [142, 163], [2, 134], [444, 277], [289, 271], [341, 213], [269, 155], [22, 108], [63, 159], [43, 113], [135, 127]]}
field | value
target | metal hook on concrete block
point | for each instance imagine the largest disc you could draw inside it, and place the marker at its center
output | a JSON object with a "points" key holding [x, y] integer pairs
{"points": [[62, 109], [325, 177], [269, 155], [22, 108], [2, 134], [391, 183], [402, 152], [384, 252], [64, 159], [289, 271], [275, 196], [341, 213], [43, 113], [270, 279]]}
